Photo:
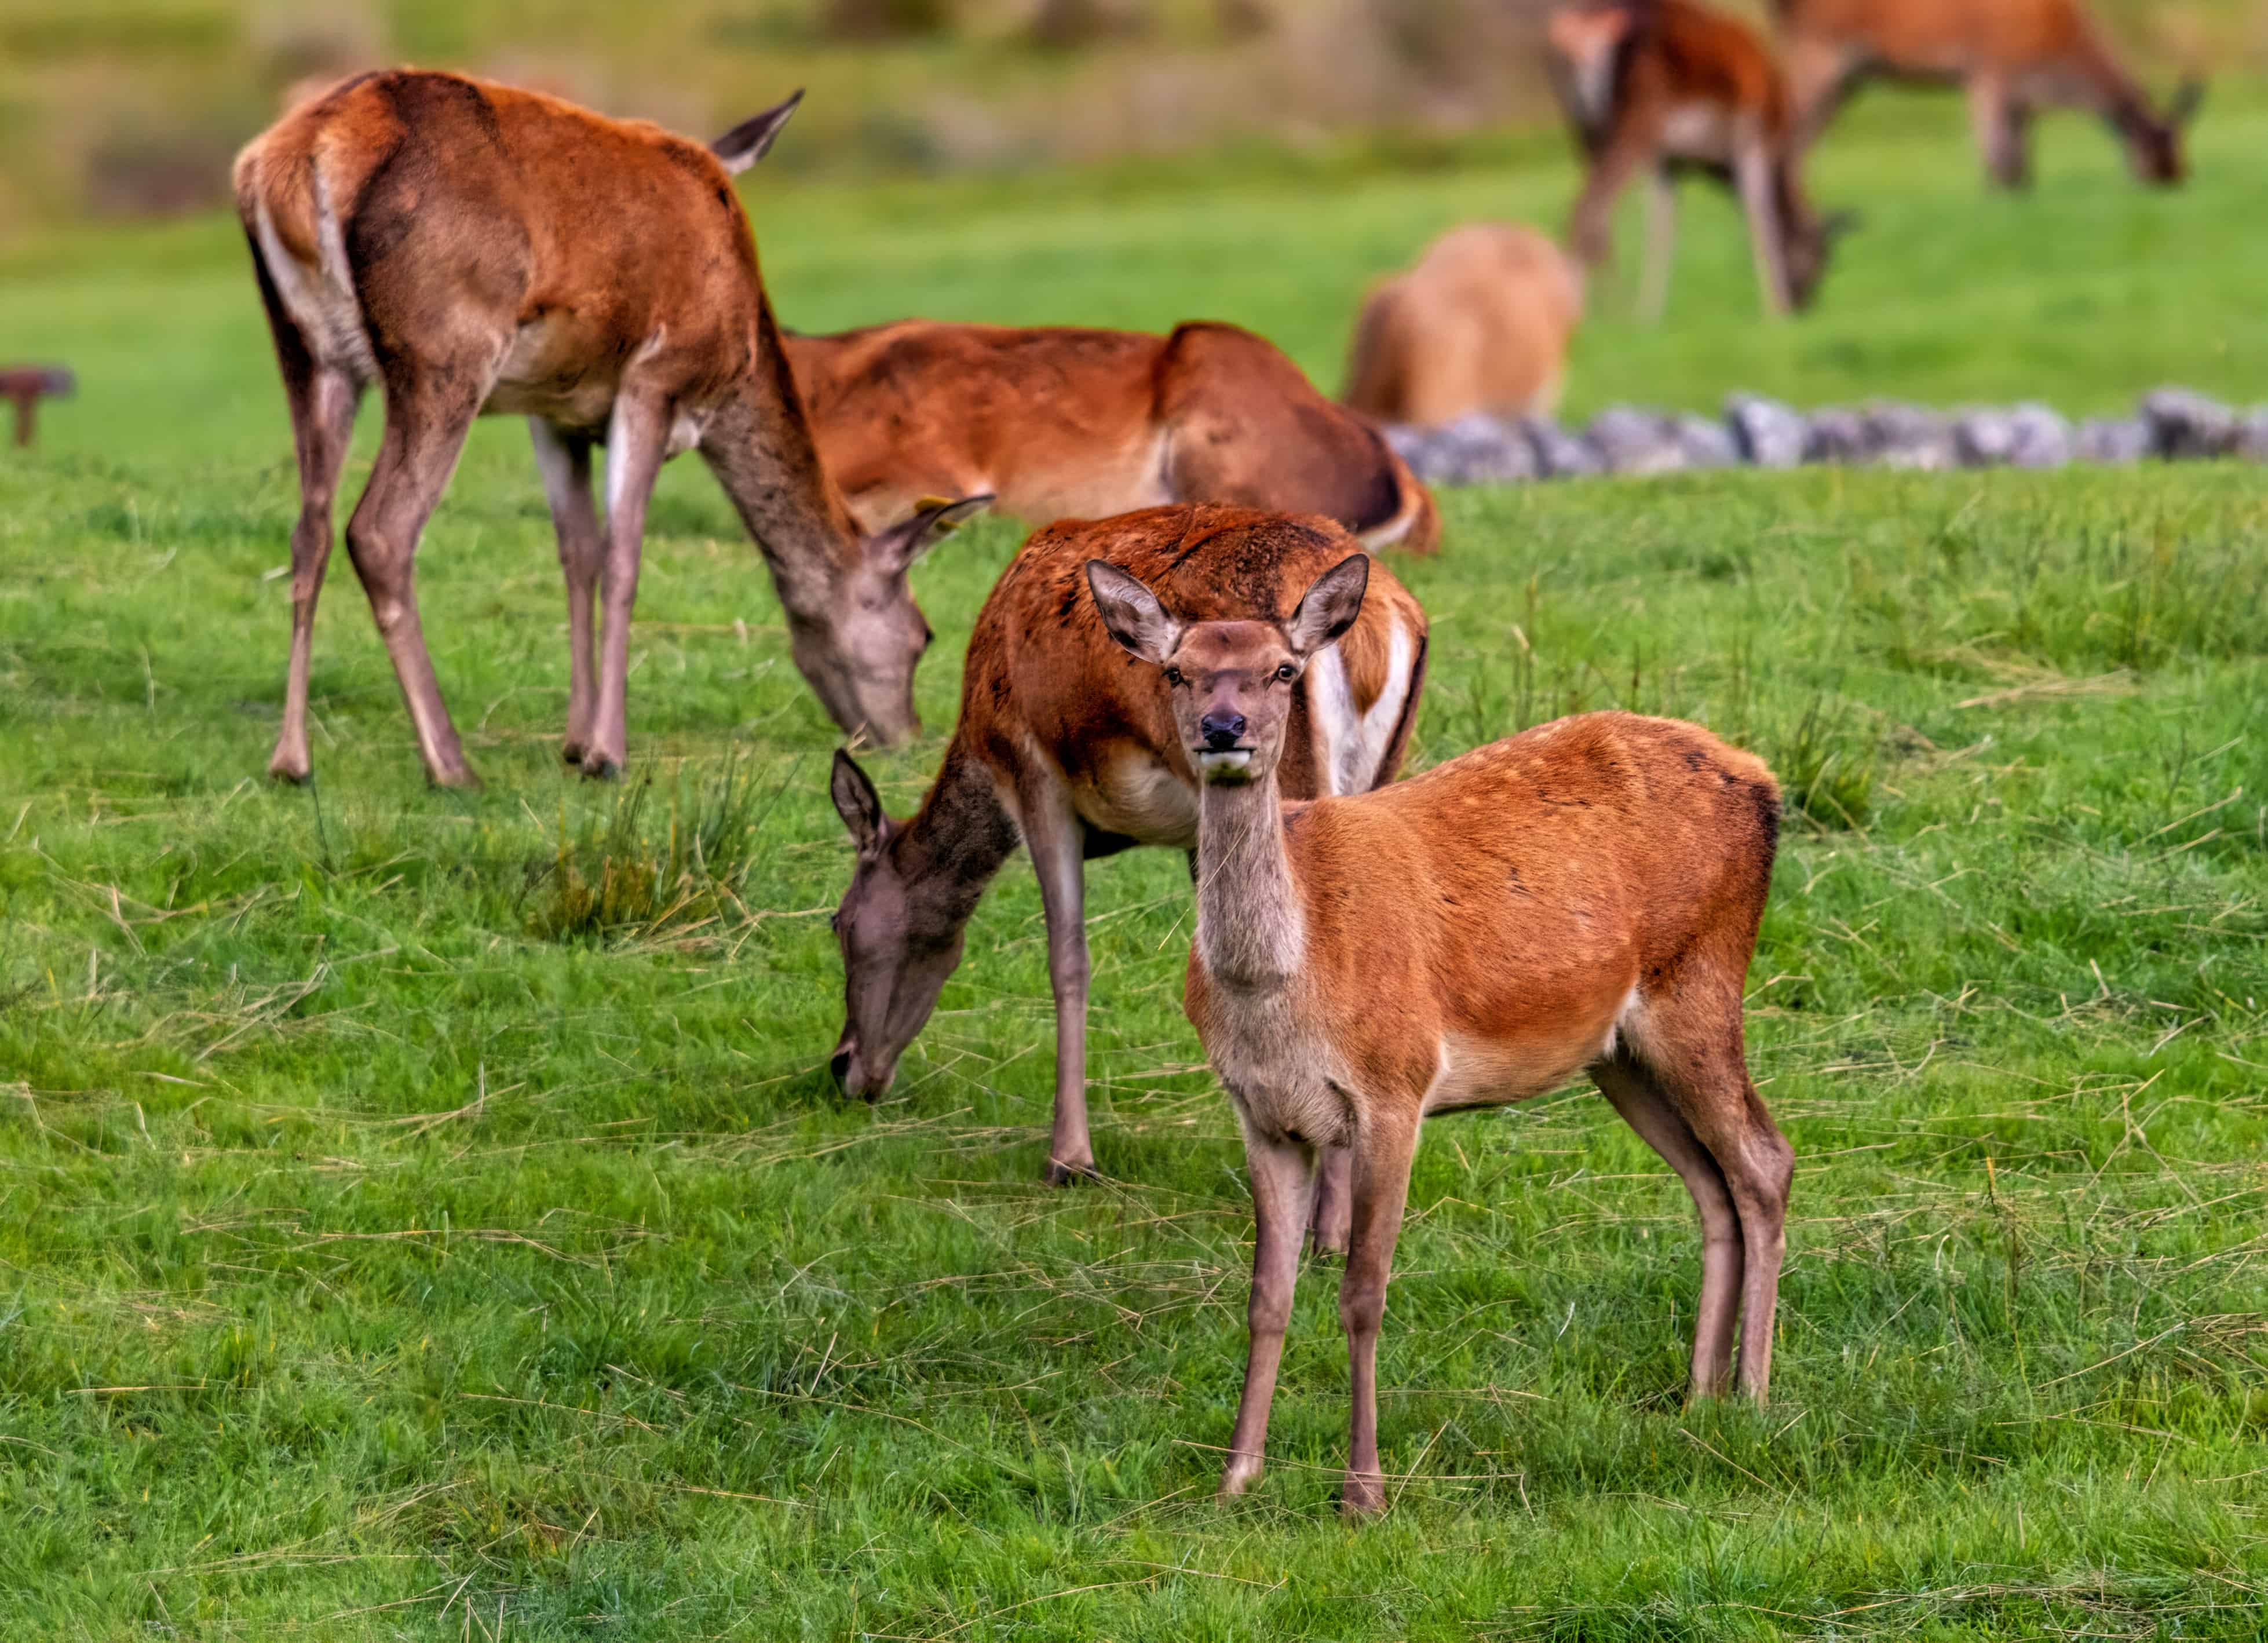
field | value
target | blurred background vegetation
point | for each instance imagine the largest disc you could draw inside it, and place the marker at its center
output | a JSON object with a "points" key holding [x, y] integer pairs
{"points": [[134, 108]]}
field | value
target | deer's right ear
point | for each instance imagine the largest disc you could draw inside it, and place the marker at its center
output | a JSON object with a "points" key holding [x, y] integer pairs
{"points": [[934, 519], [856, 802], [1131, 613], [752, 139]]}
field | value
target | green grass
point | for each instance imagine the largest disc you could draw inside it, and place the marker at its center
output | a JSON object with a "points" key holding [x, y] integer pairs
{"points": [[428, 1216]]}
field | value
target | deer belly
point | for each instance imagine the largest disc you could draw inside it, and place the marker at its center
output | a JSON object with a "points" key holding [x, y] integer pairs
{"points": [[1138, 796], [1699, 131], [1477, 1072]]}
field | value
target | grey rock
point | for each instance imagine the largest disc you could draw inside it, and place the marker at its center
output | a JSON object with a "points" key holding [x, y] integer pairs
{"points": [[1558, 453], [1706, 443], [1908, 436], [2113, 439], [1632, 441], [1479, 449], [2041, 437], [1768, 433], [1984, 438], [1838, 434], [2185, 425], [2252, 435]]}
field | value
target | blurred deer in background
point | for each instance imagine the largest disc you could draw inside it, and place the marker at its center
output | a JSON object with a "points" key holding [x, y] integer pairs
{"points": [[2012, 57], [1480, 323], [1581, 898], [1661, 87]]}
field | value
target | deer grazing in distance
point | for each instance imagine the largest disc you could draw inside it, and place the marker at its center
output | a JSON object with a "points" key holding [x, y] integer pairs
{"points": [[1663, 87], [1480, 323], [479, 250], [2012, 56], [1058, 421], [1582, 897], [1068, 745]]}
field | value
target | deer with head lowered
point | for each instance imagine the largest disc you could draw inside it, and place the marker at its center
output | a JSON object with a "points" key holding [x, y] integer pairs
{"points": [[1065, 422], [1582, 897], [1662, 87], [1068, 745], [2012, 56], [479, 250]]}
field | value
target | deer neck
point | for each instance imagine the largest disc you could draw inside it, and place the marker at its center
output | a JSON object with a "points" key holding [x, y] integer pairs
{"points": [[763, 452], [953, 846], [1250, 931]]}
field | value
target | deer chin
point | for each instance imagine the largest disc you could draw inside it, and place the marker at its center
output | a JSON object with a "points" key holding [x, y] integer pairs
{"points": [[1232, 768]]}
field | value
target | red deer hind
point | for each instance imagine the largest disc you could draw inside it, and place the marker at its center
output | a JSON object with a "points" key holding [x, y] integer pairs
{"points": [[1661, 87], [1061, 422], [479, 250], [2012, 57], [1581, 898], [1067, 746]]}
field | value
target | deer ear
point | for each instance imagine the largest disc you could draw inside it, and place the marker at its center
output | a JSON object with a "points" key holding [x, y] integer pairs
{"points": [[752, 139], [857, 803], [933, 520], [1329, 608], [2187, 101], [1131, 613]]}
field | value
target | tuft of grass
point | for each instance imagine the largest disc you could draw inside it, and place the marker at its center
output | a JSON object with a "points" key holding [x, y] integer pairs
{"points": [[1826, 763]]}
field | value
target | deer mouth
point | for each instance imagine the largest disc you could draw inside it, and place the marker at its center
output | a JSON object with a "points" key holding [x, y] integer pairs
{"points": [[1225, 765]]}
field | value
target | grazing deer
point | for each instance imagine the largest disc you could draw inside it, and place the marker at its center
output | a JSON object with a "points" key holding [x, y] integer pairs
{"points": [[1066, 745], [477, 250], [1583, 897], [1062, 422], [1665, 87], [1480, 324], [2012, 57]]}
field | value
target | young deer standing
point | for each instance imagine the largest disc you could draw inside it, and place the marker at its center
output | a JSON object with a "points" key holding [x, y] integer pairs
{"points": [[1066, 744], [1665, 87], [1481, 323], [2012, 57], [1058, 421], [479, 250], [1583, 897]]}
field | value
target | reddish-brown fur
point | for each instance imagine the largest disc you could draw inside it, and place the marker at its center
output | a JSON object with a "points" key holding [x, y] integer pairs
{"points": [[1068, 745], [1058, 421], [1664, 87], [1581, 898], [477, 250], [1480, 323], [2014, 56]]}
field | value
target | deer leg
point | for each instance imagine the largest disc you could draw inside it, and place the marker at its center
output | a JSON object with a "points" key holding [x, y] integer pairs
{"points": [[564, 460], [1282, 1182], [636, 437], [1705, 1075], [1381, 1188], [1052, 833], [1649, 1111], [1332, 1223], [426, 421], [323, 405], [1820, 75], [1660, 247], [1992, 117], [1590, 227], [1754, 174]]}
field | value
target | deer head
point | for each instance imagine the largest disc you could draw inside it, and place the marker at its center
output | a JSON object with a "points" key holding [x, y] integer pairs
{"points": [[1230, 683], [2153, 144], [1810, 247]]}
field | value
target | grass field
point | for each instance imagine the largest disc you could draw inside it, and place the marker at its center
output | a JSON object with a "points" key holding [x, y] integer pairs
{"points": [[424, 1215]]}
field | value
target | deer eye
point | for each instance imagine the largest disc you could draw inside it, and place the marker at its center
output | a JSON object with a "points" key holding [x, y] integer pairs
{"points": [[1173, 675], [1287, 673]]}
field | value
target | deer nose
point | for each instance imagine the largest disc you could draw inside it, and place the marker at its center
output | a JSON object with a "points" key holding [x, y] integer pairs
{"points": [[1222, 731]]}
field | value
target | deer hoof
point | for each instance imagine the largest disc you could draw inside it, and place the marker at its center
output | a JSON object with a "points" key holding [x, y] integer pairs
{"points": [[600, 767], [1060, 1173], [1242, 1473], [291, 773], [460, 780], [1364, 1496]]}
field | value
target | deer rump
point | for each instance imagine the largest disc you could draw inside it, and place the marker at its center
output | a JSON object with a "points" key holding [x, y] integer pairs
{"points": [[1063, 421]]}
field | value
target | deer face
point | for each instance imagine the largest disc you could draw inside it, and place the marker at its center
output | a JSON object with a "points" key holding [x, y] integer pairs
{"points": [[1230, 683], [893, 968], [1810, 246], [859, 647]]}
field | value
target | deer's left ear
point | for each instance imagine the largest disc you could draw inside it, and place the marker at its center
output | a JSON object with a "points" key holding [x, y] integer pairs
{"points": [[933, 520], [1131, 613], [857, 803], [1329, 608], [752, 139]]}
